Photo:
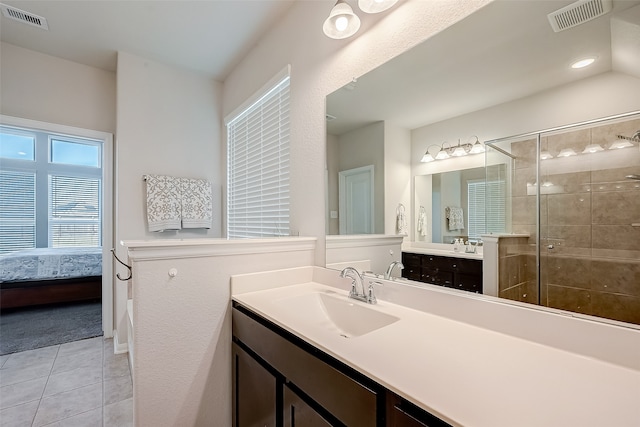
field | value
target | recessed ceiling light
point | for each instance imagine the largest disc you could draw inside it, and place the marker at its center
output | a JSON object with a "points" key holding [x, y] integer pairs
{"points": [[583, 63]]}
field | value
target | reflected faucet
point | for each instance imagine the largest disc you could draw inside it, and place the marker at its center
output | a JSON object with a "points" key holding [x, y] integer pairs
{"points": [[357, 281], [387, 274]]}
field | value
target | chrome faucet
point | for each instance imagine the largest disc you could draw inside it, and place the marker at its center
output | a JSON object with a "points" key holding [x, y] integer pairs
{"points": [[357, 281], [387, 274]]}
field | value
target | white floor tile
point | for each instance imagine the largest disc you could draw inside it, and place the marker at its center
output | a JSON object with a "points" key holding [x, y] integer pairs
{"points": [[20, 415], [22, 392], [67, 404], [70, 380]]}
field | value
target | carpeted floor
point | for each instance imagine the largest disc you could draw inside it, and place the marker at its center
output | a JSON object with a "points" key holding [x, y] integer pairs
{"points": [[36, 327]]}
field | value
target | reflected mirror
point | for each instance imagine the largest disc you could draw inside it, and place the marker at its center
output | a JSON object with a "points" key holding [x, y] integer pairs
{"points": [[502, 71]]}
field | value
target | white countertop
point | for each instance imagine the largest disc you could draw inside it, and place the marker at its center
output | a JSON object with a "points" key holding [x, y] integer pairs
{"points": [[465, 374], [441, 252]]}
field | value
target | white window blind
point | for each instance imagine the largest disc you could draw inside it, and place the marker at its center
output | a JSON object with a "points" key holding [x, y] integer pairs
{"points": [[258, 167], [486, 204], [50, 190], [74, 211], [17, 211]]}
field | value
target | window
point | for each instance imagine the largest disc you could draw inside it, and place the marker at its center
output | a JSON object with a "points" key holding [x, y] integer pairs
{"points": [[258, 166], [50, 190], [486, 201]]}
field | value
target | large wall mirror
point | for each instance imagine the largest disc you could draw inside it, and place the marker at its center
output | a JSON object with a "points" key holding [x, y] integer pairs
{"points": [[501, 71]]}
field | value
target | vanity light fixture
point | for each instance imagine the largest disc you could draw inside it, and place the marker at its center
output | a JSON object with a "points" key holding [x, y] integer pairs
{"points": [[375, 6], [566, 152], [545, 155], [445, 150], [592, 148], [620, 143], [477, 147], [342, 22], [583, 63]]}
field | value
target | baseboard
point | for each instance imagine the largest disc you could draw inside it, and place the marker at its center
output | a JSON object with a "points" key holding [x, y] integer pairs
{"points": [[119, 347]]}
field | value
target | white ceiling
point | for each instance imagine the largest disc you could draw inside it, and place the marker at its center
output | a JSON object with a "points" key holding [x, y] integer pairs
{"points": [[503, 52], [209, 36]]}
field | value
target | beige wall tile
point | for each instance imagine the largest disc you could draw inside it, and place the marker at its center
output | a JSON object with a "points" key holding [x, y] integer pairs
{"points": [[571, 299], [620, 237], [617, 276], [615, 207], [571, 272], [616, 306], [569, 209]]}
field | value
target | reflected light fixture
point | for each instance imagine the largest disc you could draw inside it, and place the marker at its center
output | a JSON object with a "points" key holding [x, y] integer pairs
{"points": [[566, 152], [342, 22], [375, 6], [583, 63], [545, 155], [620, 143], [592, 148]]}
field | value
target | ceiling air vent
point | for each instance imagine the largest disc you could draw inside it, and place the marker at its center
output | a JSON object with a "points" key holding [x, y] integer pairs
{"points": [[578, 13], [24, 17]]}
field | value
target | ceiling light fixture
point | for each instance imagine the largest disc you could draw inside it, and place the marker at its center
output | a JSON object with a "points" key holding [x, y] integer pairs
{"points": [[620, 143], [583, 63], [375, 6], [342, 22]]}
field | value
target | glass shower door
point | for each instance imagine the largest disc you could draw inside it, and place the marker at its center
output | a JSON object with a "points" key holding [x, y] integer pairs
{"points": [[589, 245]]}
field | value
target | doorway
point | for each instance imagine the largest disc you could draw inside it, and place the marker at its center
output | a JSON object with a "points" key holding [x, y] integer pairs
{"points": [[356, 200]]}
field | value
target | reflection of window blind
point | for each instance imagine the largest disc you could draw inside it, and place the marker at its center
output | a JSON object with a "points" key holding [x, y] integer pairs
{"points": [[486, 202], [258, 167], [17, 211], [74, 211]]}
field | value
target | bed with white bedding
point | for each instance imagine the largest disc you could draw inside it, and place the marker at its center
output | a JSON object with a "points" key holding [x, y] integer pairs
{"points": [[50, 275]]}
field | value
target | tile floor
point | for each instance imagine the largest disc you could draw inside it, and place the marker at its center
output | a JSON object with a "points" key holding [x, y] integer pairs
{"points": [[80, 383]]}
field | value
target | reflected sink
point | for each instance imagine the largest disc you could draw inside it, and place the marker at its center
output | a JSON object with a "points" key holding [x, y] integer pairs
{"points": [[337, 313]]}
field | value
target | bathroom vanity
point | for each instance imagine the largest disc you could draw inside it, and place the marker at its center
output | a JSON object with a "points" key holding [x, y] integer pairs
{"points": [[459, 271], [306, 354], [281, 380]]}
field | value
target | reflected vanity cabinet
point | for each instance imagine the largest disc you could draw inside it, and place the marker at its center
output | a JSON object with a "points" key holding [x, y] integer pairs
{"points": [[280, 380], [451, 272]]}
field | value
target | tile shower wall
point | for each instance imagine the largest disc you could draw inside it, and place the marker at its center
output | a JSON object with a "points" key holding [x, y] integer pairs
{"points": [[590, 252]]}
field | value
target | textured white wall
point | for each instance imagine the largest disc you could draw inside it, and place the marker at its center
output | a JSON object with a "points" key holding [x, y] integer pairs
{"points": [[168, 124], [182, 328], [42, 87], [397, 176], [319, 66]]}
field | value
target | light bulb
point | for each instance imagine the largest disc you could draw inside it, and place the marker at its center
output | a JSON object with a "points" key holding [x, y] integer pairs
{"points": [[341, 23]]}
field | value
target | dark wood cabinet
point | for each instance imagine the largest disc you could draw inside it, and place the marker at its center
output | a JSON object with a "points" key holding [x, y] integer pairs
{"points": [[451, 272], [254, 392], [281, 380], [298, 413]]}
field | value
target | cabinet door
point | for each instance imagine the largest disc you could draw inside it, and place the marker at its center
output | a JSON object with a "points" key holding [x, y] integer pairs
{"points": [[401, 413], [298, 414], [254, 392]]}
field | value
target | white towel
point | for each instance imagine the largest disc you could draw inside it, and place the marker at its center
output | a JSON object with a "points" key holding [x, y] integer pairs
{"points": [[163, 203], [196, 203], [401, 221], [456, 218], [422, 222]]}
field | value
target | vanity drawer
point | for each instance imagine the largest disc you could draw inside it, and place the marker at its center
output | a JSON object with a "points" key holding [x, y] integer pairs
{"points": [[468, 282], [437, 277], [409, 259]]}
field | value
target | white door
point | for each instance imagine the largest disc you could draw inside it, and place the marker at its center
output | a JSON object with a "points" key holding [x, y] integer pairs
{"points": [[356, 201]]}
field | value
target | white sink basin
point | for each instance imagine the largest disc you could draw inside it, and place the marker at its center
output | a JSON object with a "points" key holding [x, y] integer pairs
{"points": [[337, 313]]}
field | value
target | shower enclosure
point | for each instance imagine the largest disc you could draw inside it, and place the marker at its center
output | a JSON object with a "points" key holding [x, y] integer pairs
{"points": [[572, 198]]}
